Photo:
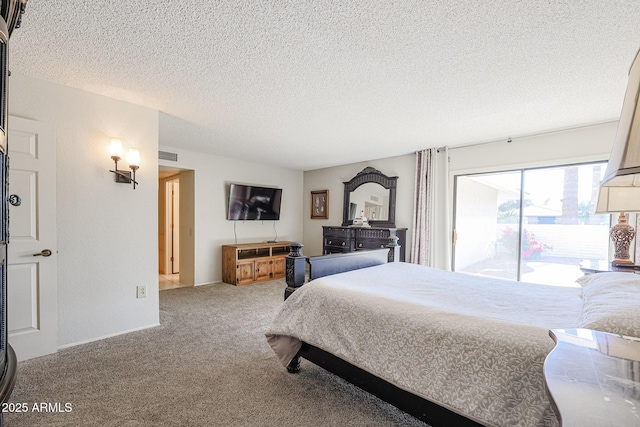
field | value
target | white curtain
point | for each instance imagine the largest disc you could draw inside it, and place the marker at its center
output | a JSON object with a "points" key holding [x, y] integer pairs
{"points": [[431, 239]]}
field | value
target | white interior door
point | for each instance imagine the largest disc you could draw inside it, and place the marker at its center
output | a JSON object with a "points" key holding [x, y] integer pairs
{"points": [[32, 258]]}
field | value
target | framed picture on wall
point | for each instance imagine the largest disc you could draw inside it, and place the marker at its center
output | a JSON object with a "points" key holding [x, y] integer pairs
{"points": [[320, 204]]}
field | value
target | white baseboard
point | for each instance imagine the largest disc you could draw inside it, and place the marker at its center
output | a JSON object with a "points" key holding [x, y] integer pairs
{"points": [[208, 283], [108, 336]]}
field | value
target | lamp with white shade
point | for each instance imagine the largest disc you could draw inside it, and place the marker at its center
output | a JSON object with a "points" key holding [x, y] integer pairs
{"points": [[620, 187]]}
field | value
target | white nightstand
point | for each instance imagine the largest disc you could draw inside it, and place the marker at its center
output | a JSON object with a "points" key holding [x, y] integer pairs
{"points": [[593, 378]]}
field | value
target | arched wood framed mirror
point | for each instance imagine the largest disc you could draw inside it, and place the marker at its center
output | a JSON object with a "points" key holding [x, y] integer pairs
{"points": [[373, 194]]}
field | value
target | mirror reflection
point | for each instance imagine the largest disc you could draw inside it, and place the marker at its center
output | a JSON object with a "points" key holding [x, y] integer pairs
{"points": [[370, 200]]}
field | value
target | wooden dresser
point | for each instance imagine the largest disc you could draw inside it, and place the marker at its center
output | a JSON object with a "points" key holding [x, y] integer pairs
{"points": [[253, 262], [338, 239]]}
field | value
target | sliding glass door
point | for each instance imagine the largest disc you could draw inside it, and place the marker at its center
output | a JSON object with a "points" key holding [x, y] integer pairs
{"points": [[487, 223], [533, 225]]}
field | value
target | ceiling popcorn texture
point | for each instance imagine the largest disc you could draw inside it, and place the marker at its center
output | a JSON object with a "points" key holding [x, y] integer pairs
{"points": [[315, 83]]}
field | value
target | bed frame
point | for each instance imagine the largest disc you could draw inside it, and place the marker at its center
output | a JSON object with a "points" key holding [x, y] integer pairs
{"points": [[320, 266]]}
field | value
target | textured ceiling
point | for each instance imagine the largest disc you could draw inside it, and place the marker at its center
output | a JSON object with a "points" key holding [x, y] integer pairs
{"points": [[315, 83]]}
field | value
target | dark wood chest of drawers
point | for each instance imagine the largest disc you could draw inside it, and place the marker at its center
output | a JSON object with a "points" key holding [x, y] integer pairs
{"points": [[348, 239]]}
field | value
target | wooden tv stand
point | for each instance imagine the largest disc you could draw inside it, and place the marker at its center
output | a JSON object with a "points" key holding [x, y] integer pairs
{"points": [[253, 262]]}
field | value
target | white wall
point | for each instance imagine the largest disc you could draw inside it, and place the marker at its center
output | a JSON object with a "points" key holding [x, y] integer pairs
{"points": [[212, 230], [588, 143], [107, 232], [333, 178]]}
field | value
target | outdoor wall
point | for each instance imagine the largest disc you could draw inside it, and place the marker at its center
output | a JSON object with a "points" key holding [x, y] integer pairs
{"points": [[573, 241], [476, 226]]}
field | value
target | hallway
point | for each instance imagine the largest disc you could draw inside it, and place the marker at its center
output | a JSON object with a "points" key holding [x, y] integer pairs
{"points": [[169, 281]]}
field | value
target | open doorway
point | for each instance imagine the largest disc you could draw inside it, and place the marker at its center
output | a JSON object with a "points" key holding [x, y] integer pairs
{"points": [[175, 228]]}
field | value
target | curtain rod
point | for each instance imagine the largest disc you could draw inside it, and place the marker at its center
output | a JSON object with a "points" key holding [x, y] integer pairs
{"points": [[475, 144]]}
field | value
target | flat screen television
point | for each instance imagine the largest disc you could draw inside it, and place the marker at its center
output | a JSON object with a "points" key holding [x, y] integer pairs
{"points": [[248, 202]]}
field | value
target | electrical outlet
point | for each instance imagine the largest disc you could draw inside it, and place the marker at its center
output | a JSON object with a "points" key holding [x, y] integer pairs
{"points": [[141, 291]]}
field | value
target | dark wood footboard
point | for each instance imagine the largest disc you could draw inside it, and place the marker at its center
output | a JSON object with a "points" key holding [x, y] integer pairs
{"points": [[429, 412], [339, 263], [325, 265]]}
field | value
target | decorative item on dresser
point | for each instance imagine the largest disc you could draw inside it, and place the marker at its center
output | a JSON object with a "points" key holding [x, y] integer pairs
{"points": [[253, 262]]}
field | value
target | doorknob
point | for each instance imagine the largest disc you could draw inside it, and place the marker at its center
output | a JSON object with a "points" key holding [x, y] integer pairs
{"points": [[15, 200], [45, 252]]}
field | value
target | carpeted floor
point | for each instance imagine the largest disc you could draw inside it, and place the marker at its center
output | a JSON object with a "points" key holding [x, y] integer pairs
{"points": [[208, 364]]}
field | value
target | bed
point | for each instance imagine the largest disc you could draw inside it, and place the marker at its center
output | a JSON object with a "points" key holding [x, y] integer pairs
{"points": [[473, 356]]}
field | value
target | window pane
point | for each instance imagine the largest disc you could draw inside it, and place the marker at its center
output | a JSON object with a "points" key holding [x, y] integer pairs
{"points": [[487, 224], [559, 230]]}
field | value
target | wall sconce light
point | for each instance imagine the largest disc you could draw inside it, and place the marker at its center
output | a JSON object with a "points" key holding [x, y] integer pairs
{"points": [[123, 176]]}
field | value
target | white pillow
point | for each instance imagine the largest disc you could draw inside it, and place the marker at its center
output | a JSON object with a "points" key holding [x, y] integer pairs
{"points": [[611, 303]]}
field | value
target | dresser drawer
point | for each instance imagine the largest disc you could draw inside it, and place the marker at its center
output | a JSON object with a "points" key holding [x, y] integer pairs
{"points": [[338, 232], [339, 243], [372, 244], [348, 239]]}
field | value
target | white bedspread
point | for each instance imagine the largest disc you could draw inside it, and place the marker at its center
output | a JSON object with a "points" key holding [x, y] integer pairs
{"points": [[472, 344]]}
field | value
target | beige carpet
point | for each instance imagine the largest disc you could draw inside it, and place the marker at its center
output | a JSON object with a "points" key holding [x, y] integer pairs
{"points": [[208, 364]]}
